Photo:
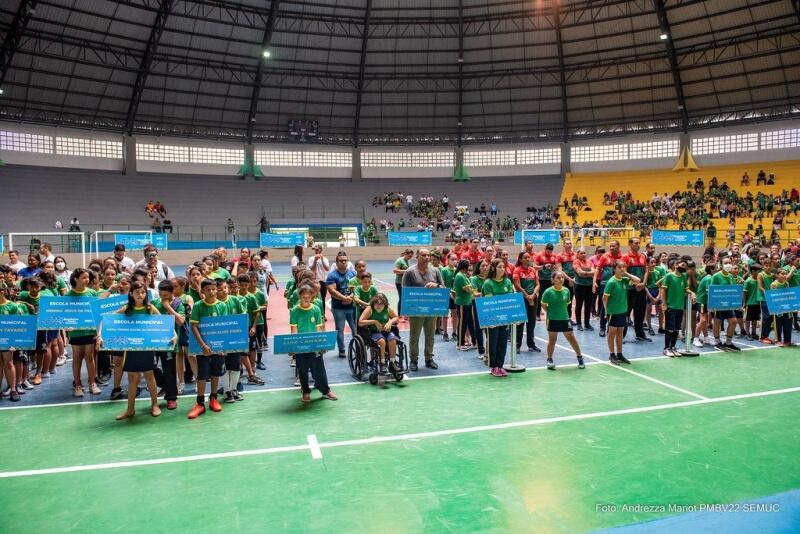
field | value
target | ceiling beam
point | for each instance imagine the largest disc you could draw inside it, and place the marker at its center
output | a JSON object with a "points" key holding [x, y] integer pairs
{"points": [[361, 68], [663, 23], [460, 71], [266, 44], [10, 44], [796, 6], [562, 73], [147, 59]]}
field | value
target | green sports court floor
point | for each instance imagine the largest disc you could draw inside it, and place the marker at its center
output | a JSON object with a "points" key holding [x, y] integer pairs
{"points": [[538, 451]]}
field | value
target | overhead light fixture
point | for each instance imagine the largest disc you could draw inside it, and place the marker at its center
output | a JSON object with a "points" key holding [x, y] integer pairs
{"points": [[1, 91], [267, 54], [664, 36]]}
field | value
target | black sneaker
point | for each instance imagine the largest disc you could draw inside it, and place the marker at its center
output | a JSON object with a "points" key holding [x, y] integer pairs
{"points": [[602, 332], [613, 359], [445, 338], [580, 328], [430, 364], [260, 366], [229, 398], [534, 349], [589, 328], [342, 355], [14, 396], [643, 338], [413, 366], [581, 365], [623, 359], [731, 346], [720, 346], [551, 365], [662, 331], [382, 369], [116, 394], [650, 332], [237, 396], [221, 391]]}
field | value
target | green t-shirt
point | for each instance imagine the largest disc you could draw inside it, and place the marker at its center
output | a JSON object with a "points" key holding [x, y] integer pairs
{"points": [[251, 305], [557, 301], [477, 283], [766, 281], [617, 291], [463, 296], [656, 275], [261, 301], [88, 293], [381, 317], [180, 310], [702, 290], [400, 263], [492, 287], [23, 309], [305, 319], [196, 297], [793, 280], [751, 291], [360, 294], [676, 290], [234, 305], [9, 308], [721, 279], [219, 274], [203, 309], [448, 275]]}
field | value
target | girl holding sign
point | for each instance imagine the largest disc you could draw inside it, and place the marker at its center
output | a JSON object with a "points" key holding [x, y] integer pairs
{"points": [[135, 362], [782, 321], [121, 287], [305, 318], [82, 341], [497, 284], [555, 302]]}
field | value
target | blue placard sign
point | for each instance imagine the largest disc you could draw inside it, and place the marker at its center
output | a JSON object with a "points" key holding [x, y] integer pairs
{"points": [[228, 333], [537, 237], [138, 332], [725, 297], [160, 241], [132, 241], [501, 310], [678, 238], [410, 239], [17, 332], [101, 307], [300, 343], [783, 300], [282, 240], [425, 302], [66, 313]]}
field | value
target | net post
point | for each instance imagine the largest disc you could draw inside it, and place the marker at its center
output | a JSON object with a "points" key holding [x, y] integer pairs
{"points": [[687, 335], [514, 367]]}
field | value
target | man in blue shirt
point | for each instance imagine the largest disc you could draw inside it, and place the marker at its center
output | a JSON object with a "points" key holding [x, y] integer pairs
{"points": [[341, 299]]}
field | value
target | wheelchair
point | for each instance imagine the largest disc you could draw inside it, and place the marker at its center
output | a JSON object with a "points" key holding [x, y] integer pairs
{"points": [[362, 356]]}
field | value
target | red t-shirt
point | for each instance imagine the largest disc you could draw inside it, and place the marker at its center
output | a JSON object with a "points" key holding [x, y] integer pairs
{"points": [[474, 256], [636, 262], [607, 261], [527, 278]]}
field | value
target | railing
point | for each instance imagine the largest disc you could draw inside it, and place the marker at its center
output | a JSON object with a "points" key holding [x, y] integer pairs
{"points": [[322, 211]]}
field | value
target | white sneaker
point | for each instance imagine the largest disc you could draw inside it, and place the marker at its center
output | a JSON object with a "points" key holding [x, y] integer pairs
{"points": [[710, 341], [61, 360], [181, 387], [697, 342]]}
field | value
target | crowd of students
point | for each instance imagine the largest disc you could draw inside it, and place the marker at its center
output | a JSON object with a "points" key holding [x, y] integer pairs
{"points": [[624, 290]]}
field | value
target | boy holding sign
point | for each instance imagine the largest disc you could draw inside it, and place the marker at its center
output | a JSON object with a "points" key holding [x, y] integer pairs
{"points": [[210, 366], [305, 318], [782, 321], [724, 278]]}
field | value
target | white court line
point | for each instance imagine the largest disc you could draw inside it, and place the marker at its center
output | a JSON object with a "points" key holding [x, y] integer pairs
{"points": [[640, 375], [399, 437], [313, 444], [353, 383], [384, 282]]}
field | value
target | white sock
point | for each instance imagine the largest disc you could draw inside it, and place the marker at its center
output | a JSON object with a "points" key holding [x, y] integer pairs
{"points": [[234, 378]]}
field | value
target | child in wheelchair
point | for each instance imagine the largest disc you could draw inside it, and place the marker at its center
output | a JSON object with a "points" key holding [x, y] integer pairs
{"points": [[378, 319]]}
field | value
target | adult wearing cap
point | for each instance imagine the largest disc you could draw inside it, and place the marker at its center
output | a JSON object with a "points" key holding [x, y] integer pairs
{"points": [[422, 275], [400, 268], [163, 272], [125, 263], [320, 266]]}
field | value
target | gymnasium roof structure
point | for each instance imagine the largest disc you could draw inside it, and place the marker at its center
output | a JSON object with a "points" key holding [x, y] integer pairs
{"points": [[399, 72]]}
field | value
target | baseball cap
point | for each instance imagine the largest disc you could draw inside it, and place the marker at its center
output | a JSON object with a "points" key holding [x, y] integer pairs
{"points": [[119, 247]]}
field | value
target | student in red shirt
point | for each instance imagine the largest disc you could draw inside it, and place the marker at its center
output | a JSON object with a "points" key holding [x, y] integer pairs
{"points": [[548, 264], [526, 281], [567, 260], [636, 264]]}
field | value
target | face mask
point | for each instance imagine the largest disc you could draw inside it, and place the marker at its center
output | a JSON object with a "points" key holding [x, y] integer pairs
{"points": [[727, 267], [681, 270], [61, 266]]}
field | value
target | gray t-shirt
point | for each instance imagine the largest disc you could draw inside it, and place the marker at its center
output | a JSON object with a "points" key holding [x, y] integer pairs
{"points": [[414, 278]]}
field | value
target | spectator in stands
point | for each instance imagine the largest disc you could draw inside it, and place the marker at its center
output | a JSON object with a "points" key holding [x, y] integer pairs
{"points": [[58, 225], [13, 261], [762, 178], [493, 209], [409, 202], [125, 263], [445, 203], [745, 179], [156, 225], [263, 225], [74, 225], [230, 227], [150, 208], [167, 225]]}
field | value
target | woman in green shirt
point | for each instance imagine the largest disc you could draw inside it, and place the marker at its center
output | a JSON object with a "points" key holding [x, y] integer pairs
{"points": [[497, 284], [462, 296], [380, 319], [82, 341], [555, 301]]}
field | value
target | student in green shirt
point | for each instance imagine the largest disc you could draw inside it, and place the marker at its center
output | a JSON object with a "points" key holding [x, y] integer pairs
{"points": [[792, 269], [476, 281], [724, 278], [555, 301], [257, 343], [306, 318], [448, 275], [233, 360], [497, 284], [83, 341], [706, 317], [8, 307], [765, 279], [652, 275], [138, 362], [615, 303], [674, 288], [752, 302], [210, 366], [363, 292], [462, 292], [782, 321], [379, 318], [168, 303]]}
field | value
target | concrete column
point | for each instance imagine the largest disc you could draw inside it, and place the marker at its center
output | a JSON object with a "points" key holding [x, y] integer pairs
{"points": [[250, 159], [459, 156], [129, 154], [686, 142], [355, 175], [566, 159]]}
